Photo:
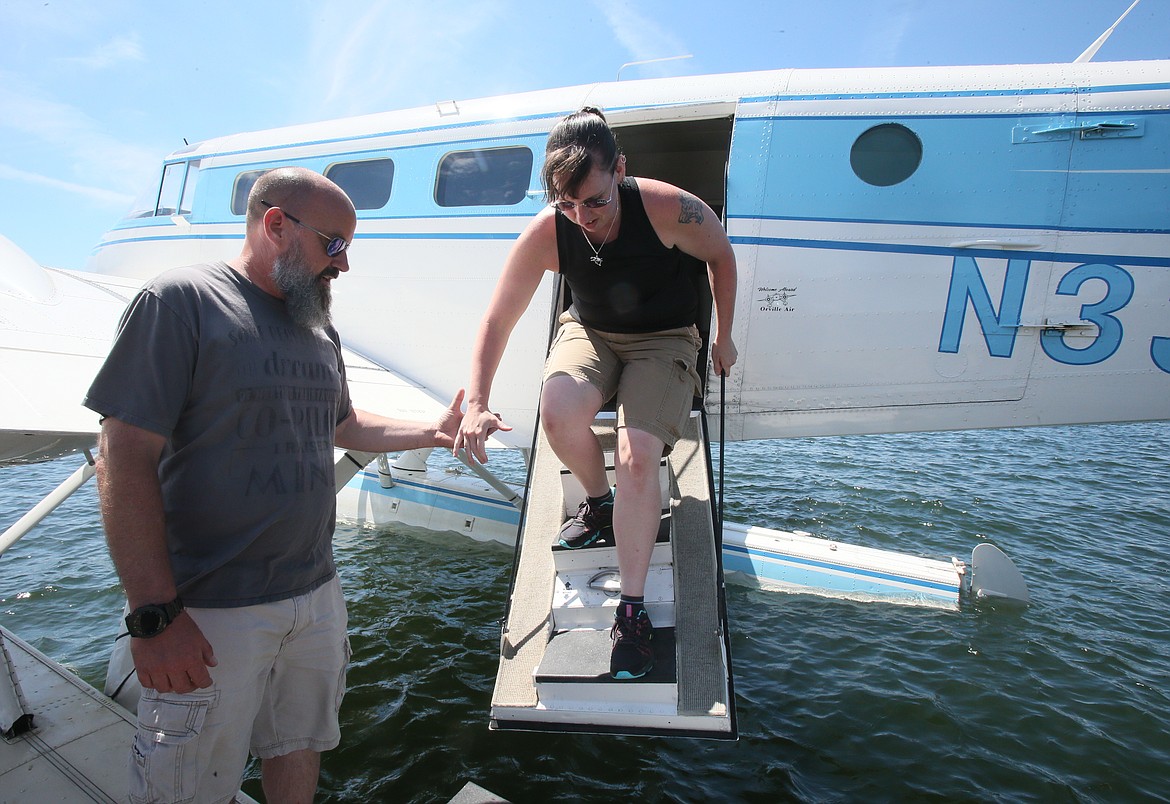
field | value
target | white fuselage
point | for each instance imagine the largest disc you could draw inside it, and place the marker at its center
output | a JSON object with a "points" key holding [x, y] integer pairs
{"points": [[920, 248]]}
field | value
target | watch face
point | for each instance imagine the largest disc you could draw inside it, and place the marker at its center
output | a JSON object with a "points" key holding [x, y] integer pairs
{"points": [[147, 621], [150, 621]]}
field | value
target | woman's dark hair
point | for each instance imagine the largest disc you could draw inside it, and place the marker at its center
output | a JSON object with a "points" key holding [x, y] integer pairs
{"points": [[576, 145]]}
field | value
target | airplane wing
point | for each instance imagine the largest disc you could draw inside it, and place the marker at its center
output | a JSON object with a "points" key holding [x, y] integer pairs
{"points": [[378, 390], [55, 330]]}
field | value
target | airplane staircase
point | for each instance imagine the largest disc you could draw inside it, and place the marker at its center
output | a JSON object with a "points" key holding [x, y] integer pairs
{"points": [[555, 644]]}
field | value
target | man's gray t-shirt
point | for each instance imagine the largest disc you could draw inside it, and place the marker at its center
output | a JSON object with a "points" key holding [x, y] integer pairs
{"points": [[249, 402]]}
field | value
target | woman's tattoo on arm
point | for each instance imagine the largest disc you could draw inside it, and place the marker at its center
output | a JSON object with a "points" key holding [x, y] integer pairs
{"points": [[692, 209]]}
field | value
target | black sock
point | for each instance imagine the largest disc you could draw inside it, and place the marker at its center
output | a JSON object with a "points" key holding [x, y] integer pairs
{"points": [[630, 605], [607, 497]]}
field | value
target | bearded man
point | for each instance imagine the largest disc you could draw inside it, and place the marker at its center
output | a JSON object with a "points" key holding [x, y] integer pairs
{"points": [[222, 399]]}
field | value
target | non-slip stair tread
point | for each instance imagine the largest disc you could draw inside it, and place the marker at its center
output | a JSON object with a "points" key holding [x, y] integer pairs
{"points": [[703, 682], [608, 541], [583, 656], [528, 620]]}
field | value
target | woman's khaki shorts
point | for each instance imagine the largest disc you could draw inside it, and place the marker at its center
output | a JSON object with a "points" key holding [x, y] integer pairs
{"points": [[652, 374]]}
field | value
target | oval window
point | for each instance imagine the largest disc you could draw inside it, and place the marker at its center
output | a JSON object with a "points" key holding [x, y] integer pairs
{"points": [[885, 155]]}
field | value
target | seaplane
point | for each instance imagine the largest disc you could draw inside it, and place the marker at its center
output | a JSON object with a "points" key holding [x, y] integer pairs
{"points": [[919, 249]]}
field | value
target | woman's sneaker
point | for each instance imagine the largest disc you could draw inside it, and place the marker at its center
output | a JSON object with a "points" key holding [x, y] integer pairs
{"points": [[590, 522], [633, 655]]}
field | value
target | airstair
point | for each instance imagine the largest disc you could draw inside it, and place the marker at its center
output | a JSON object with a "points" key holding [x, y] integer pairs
{"points": [[555, 643]]}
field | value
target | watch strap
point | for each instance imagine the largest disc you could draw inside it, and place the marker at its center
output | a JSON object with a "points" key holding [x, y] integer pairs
{"points": [[173, 609]]}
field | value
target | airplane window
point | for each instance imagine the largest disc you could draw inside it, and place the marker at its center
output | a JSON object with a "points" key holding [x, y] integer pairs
{"points": [[240, 192], [366, 183], [886, 155], [145, 203], [484, 177], [172, 187], [189, 189]]}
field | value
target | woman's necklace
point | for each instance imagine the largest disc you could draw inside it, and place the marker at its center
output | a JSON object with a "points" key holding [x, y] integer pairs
{"points": [[596, 258]]}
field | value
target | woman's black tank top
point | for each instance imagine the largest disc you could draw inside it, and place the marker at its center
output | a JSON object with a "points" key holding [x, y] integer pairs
{"points": [[640, 286]]}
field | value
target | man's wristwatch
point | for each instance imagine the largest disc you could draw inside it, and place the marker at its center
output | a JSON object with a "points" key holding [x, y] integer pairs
{"points": [[152, 619]]}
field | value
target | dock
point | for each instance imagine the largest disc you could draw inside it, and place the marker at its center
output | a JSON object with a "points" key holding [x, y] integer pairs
{"points": [[63, 739]]}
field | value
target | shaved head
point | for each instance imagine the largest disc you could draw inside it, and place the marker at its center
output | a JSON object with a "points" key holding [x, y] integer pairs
{"points": [[293, 185]]}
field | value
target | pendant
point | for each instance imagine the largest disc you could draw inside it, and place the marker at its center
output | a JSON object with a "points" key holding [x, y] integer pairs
{"points": [[596, 260]]}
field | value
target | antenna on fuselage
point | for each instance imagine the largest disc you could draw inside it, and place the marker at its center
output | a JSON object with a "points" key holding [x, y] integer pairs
{"points": [[1093, 48], [649, 61]]}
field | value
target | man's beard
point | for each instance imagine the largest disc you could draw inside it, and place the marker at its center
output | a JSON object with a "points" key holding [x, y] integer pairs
{"points": [[306, 295]]}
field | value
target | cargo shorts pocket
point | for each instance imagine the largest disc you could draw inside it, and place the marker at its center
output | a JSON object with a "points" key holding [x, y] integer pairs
{"points": [[164, 765], [340, 694], [677, 397]]}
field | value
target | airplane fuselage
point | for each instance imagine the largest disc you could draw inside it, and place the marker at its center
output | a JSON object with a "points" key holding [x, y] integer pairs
{"points": [[918, 248]]}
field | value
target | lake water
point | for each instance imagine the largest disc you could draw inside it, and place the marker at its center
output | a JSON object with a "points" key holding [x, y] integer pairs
{"points": [[1066, 700]]}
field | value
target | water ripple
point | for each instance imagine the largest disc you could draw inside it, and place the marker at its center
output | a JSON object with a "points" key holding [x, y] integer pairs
{"points": [[1066, 700]]}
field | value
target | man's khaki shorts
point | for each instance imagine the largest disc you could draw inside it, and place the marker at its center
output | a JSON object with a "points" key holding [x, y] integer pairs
{"points": [[276, 689], [651, 374]]}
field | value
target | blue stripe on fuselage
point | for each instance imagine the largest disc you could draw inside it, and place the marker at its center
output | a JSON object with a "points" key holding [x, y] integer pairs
{"points": [[904, 248]]}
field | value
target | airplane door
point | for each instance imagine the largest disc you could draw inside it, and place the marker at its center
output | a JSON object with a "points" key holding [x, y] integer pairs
{"points": [[893, 248], [1107, 297]]}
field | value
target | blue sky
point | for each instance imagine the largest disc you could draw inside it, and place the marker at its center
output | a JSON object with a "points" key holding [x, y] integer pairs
{"points": [[94, 94]]}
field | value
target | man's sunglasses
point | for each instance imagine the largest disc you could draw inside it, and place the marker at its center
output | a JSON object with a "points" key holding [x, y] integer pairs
{"points": [[333, 245]]}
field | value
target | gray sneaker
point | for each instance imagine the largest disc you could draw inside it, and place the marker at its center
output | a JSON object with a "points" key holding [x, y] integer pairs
{"points": [[592, 522]]}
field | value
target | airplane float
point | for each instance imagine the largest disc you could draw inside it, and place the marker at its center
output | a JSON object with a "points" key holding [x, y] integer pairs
{"points": [[918, 249]]}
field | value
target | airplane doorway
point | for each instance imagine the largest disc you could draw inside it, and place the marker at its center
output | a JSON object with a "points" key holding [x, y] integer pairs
{"points": [[691, 154]]}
